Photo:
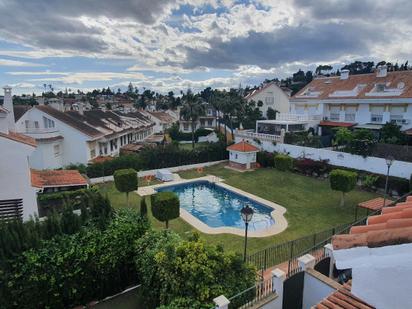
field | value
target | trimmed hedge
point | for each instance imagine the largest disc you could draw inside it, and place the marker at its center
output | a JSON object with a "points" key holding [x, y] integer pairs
{"points": [[165, 206], [154, 157], [125, 180], [265, 159], [343, 181], [283, 162], [309, 166]]}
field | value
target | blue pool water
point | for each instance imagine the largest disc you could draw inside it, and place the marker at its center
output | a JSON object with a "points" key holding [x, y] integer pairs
{"points": [[219, 207]]}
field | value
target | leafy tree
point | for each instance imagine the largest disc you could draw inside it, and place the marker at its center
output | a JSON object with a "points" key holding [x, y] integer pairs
{"points": [[343, 136], [165, 207], [125, 180], [204, 271], [391, 133], [344, 181], [271, 113], [191, 111]]}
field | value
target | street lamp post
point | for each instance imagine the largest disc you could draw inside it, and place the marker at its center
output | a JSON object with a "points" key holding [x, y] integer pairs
{"points": [[389, 161], [247, 214]]}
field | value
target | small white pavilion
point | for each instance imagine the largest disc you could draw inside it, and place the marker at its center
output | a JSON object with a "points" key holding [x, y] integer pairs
{"points": [[242, 155]]}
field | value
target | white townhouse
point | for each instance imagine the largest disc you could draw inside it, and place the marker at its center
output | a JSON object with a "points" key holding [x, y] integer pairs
{"points": [[17, 196], [207, 121], [162, 120], [72, 137], [360, 101], [271, 96]]}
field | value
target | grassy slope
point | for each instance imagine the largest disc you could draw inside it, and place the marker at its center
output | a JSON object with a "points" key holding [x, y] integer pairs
{"points": [[311, 205]]}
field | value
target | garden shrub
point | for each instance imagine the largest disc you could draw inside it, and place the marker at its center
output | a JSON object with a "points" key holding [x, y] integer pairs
{"points": [[283, 162], [143, 207], [343, 181], [125, 180], [204, 271], [72, 270], [265, 159], [165, 206], [309, 166]]}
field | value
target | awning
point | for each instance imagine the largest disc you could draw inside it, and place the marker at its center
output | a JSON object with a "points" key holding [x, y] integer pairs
{"points": [[370, 126], [336, 124]]}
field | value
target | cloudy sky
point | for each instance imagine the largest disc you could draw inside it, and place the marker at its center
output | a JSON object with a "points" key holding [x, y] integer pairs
{"points": [[176, 44]]}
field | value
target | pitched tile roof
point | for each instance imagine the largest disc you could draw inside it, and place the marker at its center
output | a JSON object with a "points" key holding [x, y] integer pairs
{"points": [[393, 226], [328, 85], [343, 299], [243, 147], [255, 92], [56, 178], [21, 138], [20, 110], [70, 120], [162, 116]]}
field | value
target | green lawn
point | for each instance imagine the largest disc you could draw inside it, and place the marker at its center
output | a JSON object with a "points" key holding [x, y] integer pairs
{"points": [[311, 205]]}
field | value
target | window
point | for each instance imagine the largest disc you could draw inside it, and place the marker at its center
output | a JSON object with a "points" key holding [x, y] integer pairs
{"points": [[210, 122], [235, 156], [398, 119], [209, 112], [185, 126], [202, 122], [36, 124], [26, 123], [376, 118], [269, 100], [56, 150], [349, 116], [334, 116], [397, 114]]}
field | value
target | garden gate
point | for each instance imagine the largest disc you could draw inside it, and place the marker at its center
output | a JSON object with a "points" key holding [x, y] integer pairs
{"points": [[293, 291]]}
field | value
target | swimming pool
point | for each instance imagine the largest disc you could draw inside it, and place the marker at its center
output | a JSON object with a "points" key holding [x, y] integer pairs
{"points": [[217, 206]]}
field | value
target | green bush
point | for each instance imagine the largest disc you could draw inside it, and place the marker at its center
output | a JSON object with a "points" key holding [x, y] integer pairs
{"points": [[125, 180], [265, 159], [72, 270], [283, 162], [343, 181], [165, 206], [187, 272]]}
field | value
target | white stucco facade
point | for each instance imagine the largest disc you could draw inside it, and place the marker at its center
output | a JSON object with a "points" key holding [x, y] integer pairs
{"points": [[272, 96], [15, 175], [380, 276]]}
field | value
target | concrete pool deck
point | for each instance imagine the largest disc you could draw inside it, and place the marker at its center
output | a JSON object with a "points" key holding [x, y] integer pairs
{"points": [[277, 214]]}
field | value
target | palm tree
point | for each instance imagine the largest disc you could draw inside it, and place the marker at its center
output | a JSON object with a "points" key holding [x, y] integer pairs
{"points": [[191, 111]]}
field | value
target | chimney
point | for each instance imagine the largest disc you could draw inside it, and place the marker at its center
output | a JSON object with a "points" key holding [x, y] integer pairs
{"points": [[81, 109], [382, 71], [8, 104], [344, 74]]}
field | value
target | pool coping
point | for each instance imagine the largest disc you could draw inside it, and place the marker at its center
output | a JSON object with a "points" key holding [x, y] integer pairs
{"points": [[277, 214]]}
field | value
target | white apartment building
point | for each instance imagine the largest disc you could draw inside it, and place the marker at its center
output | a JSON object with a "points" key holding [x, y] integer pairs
{"points": [[17, 196], [208, 121], [363, 101], [162, 120], [271, 96], [73, 137]]}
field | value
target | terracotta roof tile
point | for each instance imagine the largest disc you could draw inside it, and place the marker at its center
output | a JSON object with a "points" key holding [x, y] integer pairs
{"points": [[21, 138], [243, 147], [328, 85], [393, 226], [55, 178], [375, 204], [101, 159], [343, 299]]}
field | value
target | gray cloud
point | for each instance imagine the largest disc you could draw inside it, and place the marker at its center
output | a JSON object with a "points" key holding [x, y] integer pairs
{"points": [[318, 42], [53, 24]]}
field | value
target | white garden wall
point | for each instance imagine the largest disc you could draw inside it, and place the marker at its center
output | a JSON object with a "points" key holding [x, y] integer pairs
{"points": [[370, 164]]}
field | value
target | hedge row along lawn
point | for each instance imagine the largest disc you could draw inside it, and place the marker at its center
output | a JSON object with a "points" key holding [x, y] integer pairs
{"points": [[311, 204]]}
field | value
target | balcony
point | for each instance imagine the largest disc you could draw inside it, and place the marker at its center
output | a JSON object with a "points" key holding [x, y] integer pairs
{"points": [[259, 136], [41, 133], [298, 117]]}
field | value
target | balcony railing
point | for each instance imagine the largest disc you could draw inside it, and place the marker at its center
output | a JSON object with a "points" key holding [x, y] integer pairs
{"points": [[298, 117], [260, 136], [41, 132]]}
